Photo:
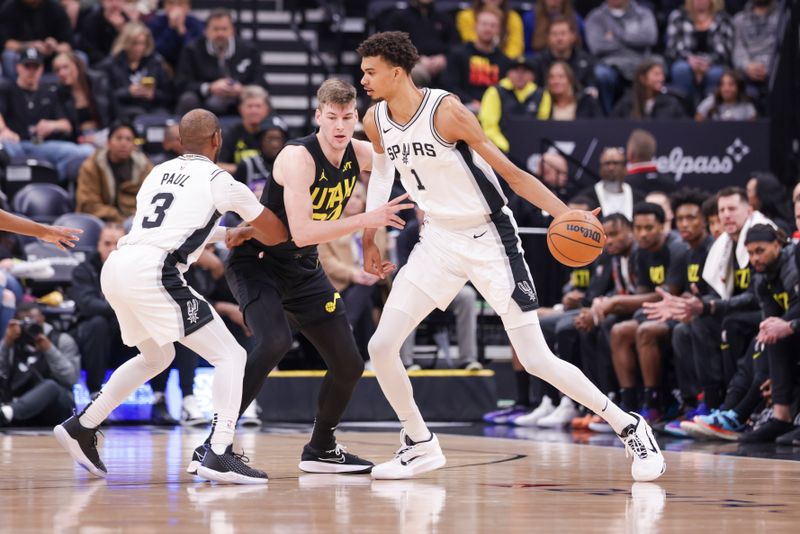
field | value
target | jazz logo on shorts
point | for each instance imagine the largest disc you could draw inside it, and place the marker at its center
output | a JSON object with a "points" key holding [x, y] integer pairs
{"points": [[191, 311], [330, 307]]}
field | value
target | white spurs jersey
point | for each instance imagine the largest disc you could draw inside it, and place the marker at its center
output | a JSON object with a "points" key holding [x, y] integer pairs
{"points": [[449, 181], [180, 203]]}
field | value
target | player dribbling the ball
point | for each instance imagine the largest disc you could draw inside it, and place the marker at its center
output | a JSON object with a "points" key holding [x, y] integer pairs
{"points": [[446, 164]]}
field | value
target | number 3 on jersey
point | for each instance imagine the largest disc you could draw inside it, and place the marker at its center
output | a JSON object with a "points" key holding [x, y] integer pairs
{"points": [[162, 202], [420, 186]]}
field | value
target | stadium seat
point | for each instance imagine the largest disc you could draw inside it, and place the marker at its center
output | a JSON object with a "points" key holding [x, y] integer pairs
{"points": [[150, 127], [23, 172], [42, 202], [91, 226]]}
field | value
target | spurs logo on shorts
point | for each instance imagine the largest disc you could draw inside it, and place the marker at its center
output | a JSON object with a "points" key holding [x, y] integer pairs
{"points": [[526, 288], [192, 308]]}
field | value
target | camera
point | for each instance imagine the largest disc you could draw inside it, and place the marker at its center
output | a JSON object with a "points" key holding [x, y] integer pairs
{"points": [[30, 331]]}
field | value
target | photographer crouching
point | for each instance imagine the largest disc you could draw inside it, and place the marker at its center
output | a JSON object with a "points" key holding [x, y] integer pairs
{"points": [[38, 367]]}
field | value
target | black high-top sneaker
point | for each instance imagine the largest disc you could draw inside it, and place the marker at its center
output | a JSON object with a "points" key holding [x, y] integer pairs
{"points": [[229, 468], [336, 460], [81, 443]]}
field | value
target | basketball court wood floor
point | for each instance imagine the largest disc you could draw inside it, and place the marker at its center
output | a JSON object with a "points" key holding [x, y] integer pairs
{"points": [[489, 485]]}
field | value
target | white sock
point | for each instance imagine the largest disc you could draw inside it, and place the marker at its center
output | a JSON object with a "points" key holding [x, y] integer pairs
{"points": [[124, 381], [538, 360], [223, 430], [8, 412]]}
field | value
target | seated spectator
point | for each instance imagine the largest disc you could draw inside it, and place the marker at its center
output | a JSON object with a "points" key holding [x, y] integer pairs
{"points": [[553, 171], [642, 171], [256, 170], [568, 101], [712, 217], [512, 38], [75, 12], [475, 66], [537, 23], [462, 306], [432, 33], [110, 179], [515, 96], [33, 123], [562, 46], [648, 99], [97, 332], [611, 193], [660, 263], [85, 98], [699, 46], [361, 291], [212, 71], [174, 29], [138, 79], [755, 42], [171, 145], [39, 24], [239, 142], [101, 26], [728, 103], [619, 34], [39, 365], [766, 194]]}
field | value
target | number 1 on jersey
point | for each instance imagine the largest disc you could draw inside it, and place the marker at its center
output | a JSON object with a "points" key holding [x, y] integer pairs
{"points": [[162, 202], [420, 186]]}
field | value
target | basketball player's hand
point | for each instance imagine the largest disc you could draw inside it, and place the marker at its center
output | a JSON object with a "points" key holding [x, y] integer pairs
{"points": [[236, 236], [584, 322], [373, 263], [386, 215], [773, 329], [60, 236], [572, 299], [42, 343], [364, 278], [660, 310]]}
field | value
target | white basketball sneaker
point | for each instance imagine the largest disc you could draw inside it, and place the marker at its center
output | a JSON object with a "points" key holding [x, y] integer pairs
{"points": [[411, 459], [544, 409], [648, 462], [563, 415]]}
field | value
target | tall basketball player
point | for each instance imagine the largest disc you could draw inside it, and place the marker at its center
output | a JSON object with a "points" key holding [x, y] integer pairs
{"points": [[446, 164], [283, 287], [177, 211]]}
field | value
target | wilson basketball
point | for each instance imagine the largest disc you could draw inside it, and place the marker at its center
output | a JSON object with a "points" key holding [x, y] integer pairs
{"points": [[576, 238]]}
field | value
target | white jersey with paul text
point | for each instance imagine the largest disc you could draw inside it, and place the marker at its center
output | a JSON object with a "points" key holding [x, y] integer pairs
{"points": [[449, 181], [180, 204]]}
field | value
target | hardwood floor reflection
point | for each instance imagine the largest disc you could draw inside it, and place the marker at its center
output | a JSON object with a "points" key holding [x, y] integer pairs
{"points": [[489, 485]]}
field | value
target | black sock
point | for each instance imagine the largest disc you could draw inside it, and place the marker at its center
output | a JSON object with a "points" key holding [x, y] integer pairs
{"points": [[628, 399], [322, 437], [652, 398], [523, 388]]}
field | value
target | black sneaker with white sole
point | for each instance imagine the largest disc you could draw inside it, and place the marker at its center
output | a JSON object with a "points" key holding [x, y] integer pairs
{"points": [[197, 458], [336, 460], [81, 443], [229, 468]]}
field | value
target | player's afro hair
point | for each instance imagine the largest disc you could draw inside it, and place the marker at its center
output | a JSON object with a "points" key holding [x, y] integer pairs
{"points": [[394, 47], [687, 195]]}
